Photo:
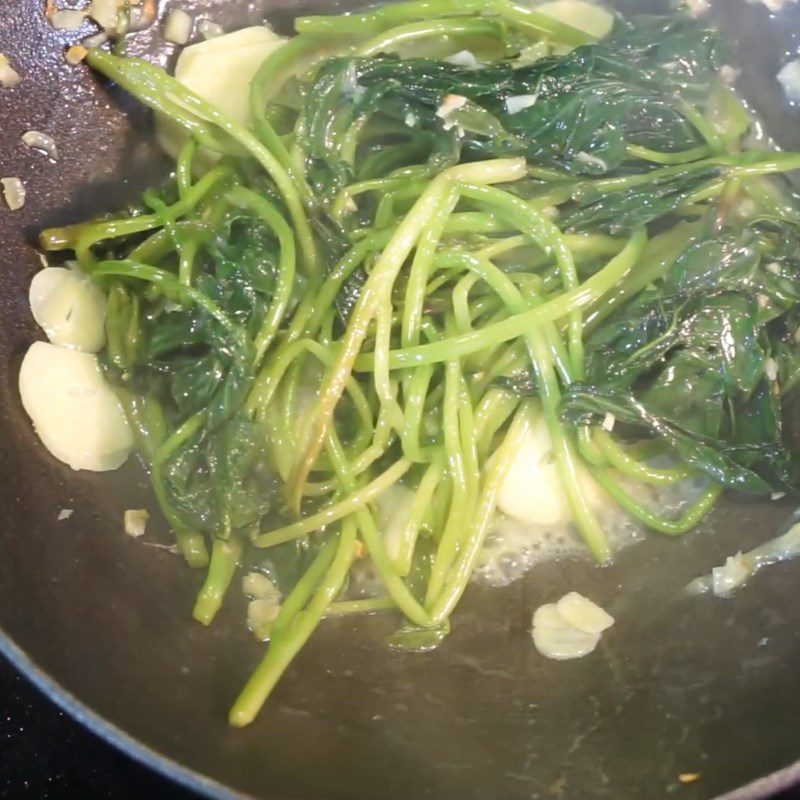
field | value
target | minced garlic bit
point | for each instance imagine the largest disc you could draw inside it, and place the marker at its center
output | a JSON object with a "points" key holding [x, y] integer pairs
{"points": [[771, 369], [75, 54], [8, 75], [178, 27], [451, 103], [105, 13], [591, 161], [519, 102], [95, 40], [209, 29], [728, 74], [68, 19], [65, 513], [142, 15], [464, 58], [14, 192], [135, 521], [689, 777], [609, 420], [37, 140], [261, 613]]}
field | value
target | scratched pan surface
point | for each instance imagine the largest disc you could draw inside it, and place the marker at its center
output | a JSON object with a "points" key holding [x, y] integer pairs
{"points": [[102, 622]]}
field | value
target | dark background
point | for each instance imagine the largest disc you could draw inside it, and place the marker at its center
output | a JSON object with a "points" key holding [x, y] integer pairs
{"points": [[45, 754]]}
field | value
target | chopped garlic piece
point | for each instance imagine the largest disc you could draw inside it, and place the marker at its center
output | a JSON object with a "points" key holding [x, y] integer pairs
{"points": [[135, 521], [42, 142], [75, 54], [104, 13], [8, 75], [777, 496], [68, 19], [609, 420], [209, 29], [728, 74], [451, 103], [260, 587], [771, 369], [464, 58], [178, 27], [65, 513], [594, 162], [583, 614], [95, 40], [519, 102], [730, 576], [723, 580], [14, 193], [260, 613]]}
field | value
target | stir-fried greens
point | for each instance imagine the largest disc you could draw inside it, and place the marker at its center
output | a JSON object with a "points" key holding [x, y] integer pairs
{"points": [[448, 219]]}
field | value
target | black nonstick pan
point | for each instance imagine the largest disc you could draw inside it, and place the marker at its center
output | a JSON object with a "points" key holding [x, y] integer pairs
{"points": [[102, 622]]}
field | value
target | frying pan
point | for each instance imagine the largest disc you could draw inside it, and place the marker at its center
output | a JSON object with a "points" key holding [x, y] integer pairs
{"points": [[102, 622]]}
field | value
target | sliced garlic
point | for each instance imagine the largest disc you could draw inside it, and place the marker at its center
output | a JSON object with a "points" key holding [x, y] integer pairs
{"points": [[532, 490], [548, 616], [220, 70], [581, 613], [69, 308], [563, 644], [13, 192], [74, 411], [570, 628]]}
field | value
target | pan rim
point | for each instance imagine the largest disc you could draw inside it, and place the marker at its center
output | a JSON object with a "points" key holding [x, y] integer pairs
{"points": [[106, 730]]}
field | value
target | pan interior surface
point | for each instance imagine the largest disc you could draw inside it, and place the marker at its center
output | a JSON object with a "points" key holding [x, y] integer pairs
{"points": [[103, 622]]}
